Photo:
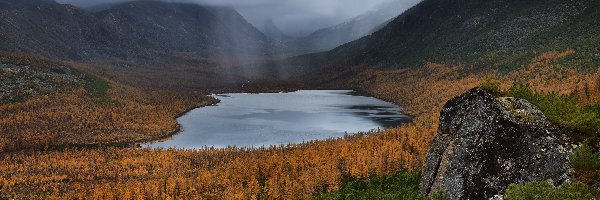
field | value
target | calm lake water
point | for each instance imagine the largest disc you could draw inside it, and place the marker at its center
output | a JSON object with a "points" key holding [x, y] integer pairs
{"points": [[246, 120]]}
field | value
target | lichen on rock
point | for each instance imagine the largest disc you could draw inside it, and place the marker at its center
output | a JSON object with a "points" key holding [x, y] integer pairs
{"points": [[485, 143]]}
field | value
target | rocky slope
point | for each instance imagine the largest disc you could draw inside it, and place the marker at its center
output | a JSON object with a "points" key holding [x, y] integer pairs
{"points": [[16, 4], [484, 144], [480, 33], [24, 78]]}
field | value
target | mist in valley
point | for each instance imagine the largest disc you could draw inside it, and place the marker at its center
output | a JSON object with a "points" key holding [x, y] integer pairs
{"points": [[197, 42], [297, 18]]}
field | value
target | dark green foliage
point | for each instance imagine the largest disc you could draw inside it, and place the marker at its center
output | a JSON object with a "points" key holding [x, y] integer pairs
{"points": [[98, 88], [440, 195], [403, 185], [521, 91], [587, 156], [545, 191], [593, 108], [562, 110], [492, 87], [586, 161]]}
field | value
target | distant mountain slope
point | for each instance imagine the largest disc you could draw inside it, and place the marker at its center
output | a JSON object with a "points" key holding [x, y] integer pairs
{"points": [[355, 28], [16, 4], [497, 33], [140, 29], [270, 29], [53, 30], [181, 27]]}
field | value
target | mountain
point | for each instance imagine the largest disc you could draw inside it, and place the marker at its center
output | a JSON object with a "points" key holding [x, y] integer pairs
{"points": [[181, 27], [270, 29], [16, 4], [492, 33], [53, 30], [134, 30], [355, 28]]}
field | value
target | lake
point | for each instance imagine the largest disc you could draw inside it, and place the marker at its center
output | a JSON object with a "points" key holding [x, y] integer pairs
{"points": [[254, 120]]}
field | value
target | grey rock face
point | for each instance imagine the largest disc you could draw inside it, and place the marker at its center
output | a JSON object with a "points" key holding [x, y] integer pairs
{"points": [[484, 144]]}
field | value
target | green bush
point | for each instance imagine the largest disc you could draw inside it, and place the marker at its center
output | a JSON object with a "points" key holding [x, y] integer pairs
{"points": [[562, 110], [545, 191], [586, 161], [403, 185], [492, 87], [520, 91], [440, 195], [97, 85], [593, 108], [98, 89]]}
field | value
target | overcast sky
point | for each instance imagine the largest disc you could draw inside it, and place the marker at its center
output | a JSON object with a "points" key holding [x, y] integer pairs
{"points": [[294, 17]]}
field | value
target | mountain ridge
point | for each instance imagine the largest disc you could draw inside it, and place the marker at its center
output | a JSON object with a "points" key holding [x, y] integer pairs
{"points": [[331, 37], [504, 34], [132, 30], [270, 29], [18, 4]]}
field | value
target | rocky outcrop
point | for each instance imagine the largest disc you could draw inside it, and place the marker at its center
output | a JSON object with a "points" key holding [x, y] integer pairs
{"points": [[486, 143]]}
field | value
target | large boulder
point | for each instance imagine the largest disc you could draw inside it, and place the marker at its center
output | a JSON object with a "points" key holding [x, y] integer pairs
{"points": [[485, 143]]}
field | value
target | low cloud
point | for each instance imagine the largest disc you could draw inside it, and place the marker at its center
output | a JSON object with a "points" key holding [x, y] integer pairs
{"points": [[294, 17]]}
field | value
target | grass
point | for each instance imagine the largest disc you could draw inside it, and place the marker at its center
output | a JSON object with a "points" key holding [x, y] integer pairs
{"points": [[586, 161], [562, 110], [402, 185], [543, 190], [98, 88]]}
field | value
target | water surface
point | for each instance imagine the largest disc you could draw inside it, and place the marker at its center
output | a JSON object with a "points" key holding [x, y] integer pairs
{"points": [[254, 120]]}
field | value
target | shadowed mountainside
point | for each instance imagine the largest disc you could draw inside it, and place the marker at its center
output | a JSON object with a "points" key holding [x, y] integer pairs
{"points": [[497, 33], [134, 30], [355, 28]]}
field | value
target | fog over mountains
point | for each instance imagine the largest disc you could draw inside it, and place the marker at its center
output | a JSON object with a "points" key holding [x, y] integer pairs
{"points": [[143, 29], [504, 34], [129, 31], [294, 17], [352, 29]]}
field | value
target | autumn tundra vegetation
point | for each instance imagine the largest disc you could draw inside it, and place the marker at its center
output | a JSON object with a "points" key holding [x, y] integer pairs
{"points": [[76, 140], [82, 109]]}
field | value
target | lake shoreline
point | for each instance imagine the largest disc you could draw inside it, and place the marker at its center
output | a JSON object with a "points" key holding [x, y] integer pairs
{"points": [[376, 114]]}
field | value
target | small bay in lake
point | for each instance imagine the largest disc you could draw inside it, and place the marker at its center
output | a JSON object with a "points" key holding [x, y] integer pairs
{"points": [[254, 120]]}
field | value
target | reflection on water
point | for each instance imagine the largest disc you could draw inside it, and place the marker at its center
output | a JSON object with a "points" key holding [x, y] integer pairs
{"points": [[246, 120]]}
